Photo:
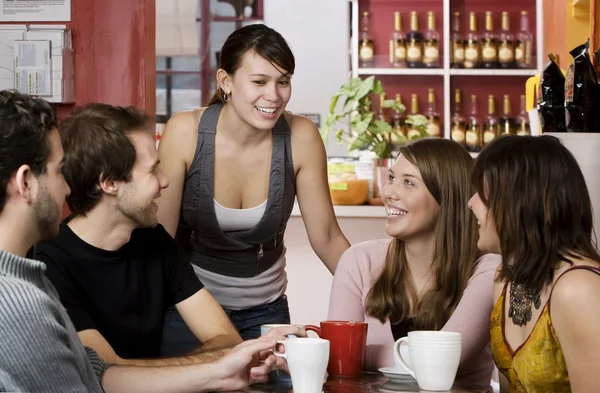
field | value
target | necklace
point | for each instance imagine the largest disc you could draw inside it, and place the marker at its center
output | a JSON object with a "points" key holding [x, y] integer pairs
{"points": [[520, 303]]}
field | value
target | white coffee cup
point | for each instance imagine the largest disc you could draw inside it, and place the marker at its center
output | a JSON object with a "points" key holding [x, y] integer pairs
{"points": [[307, 360], [277, 375], [434, 356]]}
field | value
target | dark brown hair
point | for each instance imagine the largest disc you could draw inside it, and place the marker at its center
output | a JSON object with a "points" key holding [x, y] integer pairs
{"points": [[537, 196], [25, 123], [263, 40], [445, 167], [96, 144]]}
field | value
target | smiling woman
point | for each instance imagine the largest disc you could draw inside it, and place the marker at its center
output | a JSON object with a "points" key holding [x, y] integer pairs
{"points": [[245, 156]]}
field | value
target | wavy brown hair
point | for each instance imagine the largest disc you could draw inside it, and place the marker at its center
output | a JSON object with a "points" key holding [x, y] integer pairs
{"points": [[445, 167], [536, 193]]}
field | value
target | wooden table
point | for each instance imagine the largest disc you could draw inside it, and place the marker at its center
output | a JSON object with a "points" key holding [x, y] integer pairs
{"points": [[367, 383]]}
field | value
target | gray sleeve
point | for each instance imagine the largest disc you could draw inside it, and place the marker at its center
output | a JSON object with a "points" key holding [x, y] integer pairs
{"points": [[98, 365], [37, 351]]}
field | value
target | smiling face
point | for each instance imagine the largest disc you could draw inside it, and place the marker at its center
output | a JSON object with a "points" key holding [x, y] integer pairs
{"points": [[411, 209], [488, 241], [136, 199], [259, 91]]}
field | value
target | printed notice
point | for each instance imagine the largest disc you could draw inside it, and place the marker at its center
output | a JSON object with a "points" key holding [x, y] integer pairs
{"points": [[33, 68], [35, 10]]}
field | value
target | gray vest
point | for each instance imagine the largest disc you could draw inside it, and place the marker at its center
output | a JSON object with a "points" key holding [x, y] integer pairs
{"points": [[244, 253]]}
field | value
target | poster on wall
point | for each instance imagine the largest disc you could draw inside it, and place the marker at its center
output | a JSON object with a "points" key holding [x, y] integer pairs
{"points": [[35, 10]]}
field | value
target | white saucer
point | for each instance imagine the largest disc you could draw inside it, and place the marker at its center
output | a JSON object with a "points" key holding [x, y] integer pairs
{"points": [[396, 375]]}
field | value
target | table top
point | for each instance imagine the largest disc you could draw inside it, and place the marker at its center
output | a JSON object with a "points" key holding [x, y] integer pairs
{"points": [[367, 383]]}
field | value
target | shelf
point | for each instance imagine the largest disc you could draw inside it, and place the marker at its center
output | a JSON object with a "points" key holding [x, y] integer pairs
{"points": [[400, 71], [580, 8], [494, 72], [362, 211], [217, 18]]}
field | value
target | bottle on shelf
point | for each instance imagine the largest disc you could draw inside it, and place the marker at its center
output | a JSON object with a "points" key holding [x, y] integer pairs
{"points": [[506, 44], [382, 113], [474, 128], [506, 122], [433, 117], [366, 48], [412, 131], [490, 126], [431, 52], [414, 43], [398, 124], [524, 42], [459, 124], [472, 45], [398, 43], [522, 120], [489, 45], [457, 45]]}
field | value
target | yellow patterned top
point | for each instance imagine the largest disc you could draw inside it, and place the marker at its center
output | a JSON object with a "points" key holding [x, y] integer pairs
{"points": [[538, 365]]}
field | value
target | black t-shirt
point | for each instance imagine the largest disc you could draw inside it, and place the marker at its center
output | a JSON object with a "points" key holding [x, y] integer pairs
{"points": [[124, 293]]}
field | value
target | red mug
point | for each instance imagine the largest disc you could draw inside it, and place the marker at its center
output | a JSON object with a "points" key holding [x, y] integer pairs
{"points": [[347, 344]]}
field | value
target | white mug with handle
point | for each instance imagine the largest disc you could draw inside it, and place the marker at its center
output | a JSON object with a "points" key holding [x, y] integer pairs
{"points": [[307, 360]]}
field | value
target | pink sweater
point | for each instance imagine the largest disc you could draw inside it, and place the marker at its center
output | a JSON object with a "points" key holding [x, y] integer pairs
{"points": [[360, 266]]}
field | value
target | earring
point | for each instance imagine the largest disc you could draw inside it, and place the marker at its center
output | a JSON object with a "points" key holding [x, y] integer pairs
{"points": [[225, 97]]}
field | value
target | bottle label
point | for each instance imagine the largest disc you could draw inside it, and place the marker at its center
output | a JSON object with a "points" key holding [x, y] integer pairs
{"points": [[569, 84], [472, 138], [471, 53], [459, 53], [366, 53], [431, 53], [489, 52], [527, 53], [458, 134], [413, 133], [488, 136], [506, 53], [413, 52], [519, 52], [433, 129], [400, 50]]}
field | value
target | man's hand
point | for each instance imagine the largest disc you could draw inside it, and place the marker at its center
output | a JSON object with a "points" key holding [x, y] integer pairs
{"points": [[247, 363], [280, 333]]}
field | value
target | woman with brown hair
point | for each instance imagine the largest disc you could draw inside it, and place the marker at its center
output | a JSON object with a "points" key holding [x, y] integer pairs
{"points": [[235, 169], [430, 276], [534, 208]]}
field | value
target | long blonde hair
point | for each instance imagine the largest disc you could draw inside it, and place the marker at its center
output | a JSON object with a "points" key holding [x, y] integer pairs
{"points": [[445, 167]]}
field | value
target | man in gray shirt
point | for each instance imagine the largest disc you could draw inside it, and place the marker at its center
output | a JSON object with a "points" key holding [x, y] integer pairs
{"points": [[39, 347]]}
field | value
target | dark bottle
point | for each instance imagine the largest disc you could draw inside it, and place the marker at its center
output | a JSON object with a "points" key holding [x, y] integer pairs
{"points": [[507, 123], [490, 127], [458, 133], [474, 128], [414, 43], [489, 44]]}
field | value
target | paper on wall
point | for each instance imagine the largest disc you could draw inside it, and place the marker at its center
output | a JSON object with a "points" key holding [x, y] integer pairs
{"points": [[35, 10], [33, 67]]}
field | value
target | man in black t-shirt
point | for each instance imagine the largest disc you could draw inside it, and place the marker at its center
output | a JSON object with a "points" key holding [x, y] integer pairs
{"points": [[115, 268]]}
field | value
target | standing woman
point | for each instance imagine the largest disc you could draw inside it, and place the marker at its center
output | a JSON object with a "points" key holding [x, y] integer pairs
{"points": [[235, 168], [534, 208]]}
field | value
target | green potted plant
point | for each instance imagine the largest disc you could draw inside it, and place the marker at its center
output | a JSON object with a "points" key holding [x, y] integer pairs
{"points": [[367, 131]]}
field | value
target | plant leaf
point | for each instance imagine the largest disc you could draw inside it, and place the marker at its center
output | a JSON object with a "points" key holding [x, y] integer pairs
{"points": [[365, 88], [382, 149], [358, 143], [378, 88], [333, 104], [389, 103]]}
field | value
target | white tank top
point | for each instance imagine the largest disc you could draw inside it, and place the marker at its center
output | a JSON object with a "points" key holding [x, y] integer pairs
{"points": [[237, 293]]}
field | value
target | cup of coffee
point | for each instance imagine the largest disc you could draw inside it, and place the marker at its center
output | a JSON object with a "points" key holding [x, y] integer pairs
{"points": [[276, 375], [348, 341], [434, 356], [307, 360]]}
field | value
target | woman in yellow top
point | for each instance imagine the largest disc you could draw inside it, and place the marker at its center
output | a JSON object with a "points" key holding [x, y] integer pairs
{"points": [[534, 208]]}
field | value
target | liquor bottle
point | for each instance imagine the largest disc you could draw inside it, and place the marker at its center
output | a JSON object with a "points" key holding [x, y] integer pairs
{"points": [[366, 49], [472, 49], [457, 45], [524, 41], [489, 45], [398, 43], [412, 131], [459, 124], [490, 126], [398, 124], [431, 52], [382, 113], [506, 122], [522, 120], [474, 128], [433, 117], [506, 45], [414, 43]]}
